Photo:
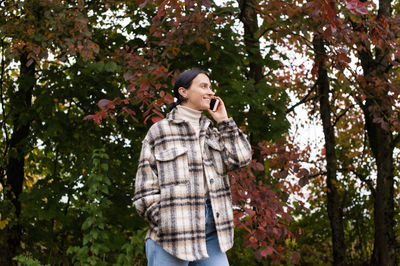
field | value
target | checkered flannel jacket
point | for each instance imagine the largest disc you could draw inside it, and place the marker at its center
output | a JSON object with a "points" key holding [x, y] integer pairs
{"points": [[169, 185]]}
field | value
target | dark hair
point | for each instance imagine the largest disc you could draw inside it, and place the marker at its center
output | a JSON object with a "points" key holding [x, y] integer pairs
{"points": [[185, 80]]}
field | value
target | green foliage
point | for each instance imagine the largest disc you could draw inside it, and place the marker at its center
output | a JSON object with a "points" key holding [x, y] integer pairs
{"points": [[94, 228], [239, 254], [133, 252], [314, 237], [54, 202], [314, 234], [27, 261]]}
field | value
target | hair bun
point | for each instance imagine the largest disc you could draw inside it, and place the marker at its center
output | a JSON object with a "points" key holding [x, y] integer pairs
{"points": [[173, 105]]}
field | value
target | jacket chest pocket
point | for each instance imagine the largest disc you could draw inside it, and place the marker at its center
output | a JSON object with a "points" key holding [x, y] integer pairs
{"points": [[172, 166]]}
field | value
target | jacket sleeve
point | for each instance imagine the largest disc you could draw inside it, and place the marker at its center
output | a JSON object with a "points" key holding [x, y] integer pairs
{"points": [[237, 149], [147, 190]]}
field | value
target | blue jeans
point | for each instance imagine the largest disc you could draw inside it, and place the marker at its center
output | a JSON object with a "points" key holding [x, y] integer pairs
{"points": [[157, 256]]}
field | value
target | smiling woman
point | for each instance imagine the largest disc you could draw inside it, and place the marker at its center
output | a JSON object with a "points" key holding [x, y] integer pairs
{"points": [[193, 90], [192, 78], [199, 94], [182, 187]]}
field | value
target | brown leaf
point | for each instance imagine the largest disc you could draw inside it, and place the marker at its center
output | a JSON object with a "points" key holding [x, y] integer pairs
{"points": [[295, 258]]}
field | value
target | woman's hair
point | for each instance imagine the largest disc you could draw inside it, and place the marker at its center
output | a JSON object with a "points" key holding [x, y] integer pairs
{"points": [[185, 80]]}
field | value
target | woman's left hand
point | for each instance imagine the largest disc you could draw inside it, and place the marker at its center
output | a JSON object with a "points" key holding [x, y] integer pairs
{"points": [[220, 114]]}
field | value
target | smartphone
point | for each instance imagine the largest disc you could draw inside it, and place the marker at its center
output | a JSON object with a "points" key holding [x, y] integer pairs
{"points": [[214, 104]]}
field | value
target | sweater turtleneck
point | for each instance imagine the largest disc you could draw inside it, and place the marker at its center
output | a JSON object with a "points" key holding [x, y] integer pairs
{"points": [[191, 116]]}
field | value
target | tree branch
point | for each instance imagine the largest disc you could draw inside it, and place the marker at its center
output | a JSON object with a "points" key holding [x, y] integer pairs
{"points": [[304, 100], [342, 114], [364, 179], [316, 175]]}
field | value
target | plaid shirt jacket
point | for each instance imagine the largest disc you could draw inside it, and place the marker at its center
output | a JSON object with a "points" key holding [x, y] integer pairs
{"points": [[169, 185]]}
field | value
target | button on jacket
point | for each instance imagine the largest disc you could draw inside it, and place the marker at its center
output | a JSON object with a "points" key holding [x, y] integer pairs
{"points": [[169, 185]]}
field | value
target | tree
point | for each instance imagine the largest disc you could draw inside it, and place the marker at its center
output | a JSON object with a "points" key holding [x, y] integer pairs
{"points": [[333, 199], [380, 123], [372, 92], [42, 166], [28, 46], [373, 97]]}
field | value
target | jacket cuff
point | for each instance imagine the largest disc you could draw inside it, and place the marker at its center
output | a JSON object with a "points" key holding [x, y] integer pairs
{"points": [[153, 214], [227, 127]]}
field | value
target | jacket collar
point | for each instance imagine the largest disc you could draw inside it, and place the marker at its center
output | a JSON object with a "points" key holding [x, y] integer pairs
{"points": [[172, 118]]}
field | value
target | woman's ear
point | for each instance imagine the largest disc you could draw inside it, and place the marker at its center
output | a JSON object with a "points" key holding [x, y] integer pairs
{"points": [[183, 92]]}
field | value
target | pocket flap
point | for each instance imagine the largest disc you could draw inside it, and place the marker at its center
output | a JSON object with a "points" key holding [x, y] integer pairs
{"points": [[214, 144], [170, 154]]}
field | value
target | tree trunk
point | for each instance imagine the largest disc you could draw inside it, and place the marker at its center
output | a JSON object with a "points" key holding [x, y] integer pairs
{"points": [[18, 146], [248, 17], [334, 202], [381, 142]]}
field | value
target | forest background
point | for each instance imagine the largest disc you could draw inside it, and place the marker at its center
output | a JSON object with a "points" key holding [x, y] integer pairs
{"points": [[82, 81]]}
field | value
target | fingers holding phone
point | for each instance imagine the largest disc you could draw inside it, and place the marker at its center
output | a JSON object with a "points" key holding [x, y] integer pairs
{"points": [[217, 109]]}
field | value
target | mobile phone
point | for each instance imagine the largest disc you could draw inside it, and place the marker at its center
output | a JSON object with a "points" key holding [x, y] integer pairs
{"points": [[214, 104]]}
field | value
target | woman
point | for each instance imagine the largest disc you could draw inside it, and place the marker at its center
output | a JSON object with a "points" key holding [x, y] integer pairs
{"points": [[182, 186]]}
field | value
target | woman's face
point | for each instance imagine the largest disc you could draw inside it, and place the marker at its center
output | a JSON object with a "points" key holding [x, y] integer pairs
{"points": [[199, 93]]}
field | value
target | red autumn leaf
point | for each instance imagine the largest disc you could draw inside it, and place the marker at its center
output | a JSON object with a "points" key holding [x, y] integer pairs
{"points": [[343, 57], [250, 212], [261, 234], [88, 117], [98, 117], [303, 173], [146, 118], [142, 5], [168, 98], [283, 174], [103, 104], [267, 251], [259, 166], [357, 7], [303, 182], [239, 215], [155, 119], [110, 105], [329, 12], [158, 113], [116, 101], [128, 76]]}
